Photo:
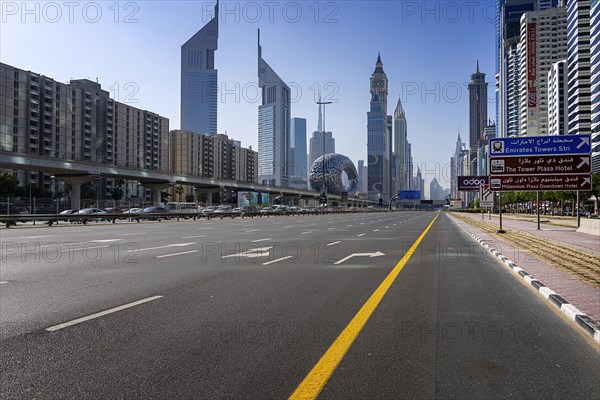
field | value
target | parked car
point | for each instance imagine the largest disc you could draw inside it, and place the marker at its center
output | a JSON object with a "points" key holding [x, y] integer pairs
{"points": [[133, 210], [92, 211], [8, 209], [153, 210], [114, 210], [68, 212]]}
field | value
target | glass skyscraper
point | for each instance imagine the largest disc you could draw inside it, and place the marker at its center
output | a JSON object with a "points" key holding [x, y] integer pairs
{"points": [[376, 150], [273, 126], [199, 80]]}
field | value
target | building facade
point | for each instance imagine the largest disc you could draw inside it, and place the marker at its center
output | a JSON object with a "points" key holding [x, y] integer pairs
{"points": [[578, 67], [557, 99], [199, 79], [595, 82], [274, 126], [543, 41], [401, 147]]}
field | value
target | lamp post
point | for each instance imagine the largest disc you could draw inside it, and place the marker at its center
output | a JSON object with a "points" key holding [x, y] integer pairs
{"points": [[55, 191], [324, 103]]}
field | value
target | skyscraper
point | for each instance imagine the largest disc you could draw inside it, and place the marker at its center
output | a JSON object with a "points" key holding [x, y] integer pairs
{"points": [[401, 147], [321, 142], [477, 107], [578, 67], [543, 42], [376, 150], [199, 79], [298, 161], [379, 137], [273, 126]]}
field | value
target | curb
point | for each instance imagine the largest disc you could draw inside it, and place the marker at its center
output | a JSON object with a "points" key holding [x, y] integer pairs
{"points": [[584, 322]]}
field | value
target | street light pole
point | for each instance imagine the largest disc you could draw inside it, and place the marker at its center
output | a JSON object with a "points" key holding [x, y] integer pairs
{"points": [[324, 103]]}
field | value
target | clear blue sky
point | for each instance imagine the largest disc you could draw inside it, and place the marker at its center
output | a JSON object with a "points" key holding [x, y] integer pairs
{"points": [[429, 49]]}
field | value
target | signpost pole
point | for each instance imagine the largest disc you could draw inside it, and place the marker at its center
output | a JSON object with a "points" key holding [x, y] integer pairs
{"points": [[578, 215], [500, 209], [537, 205]]}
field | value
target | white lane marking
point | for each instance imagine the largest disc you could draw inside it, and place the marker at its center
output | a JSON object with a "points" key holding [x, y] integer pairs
{"points": [[193, 237], [387, 226], [202, 229], [362, 234], [362, 223], [3, 282], [306, 233], [395, 224], [348, 226], [131, 234], [252, 253], [331, 229], [178, 254], [274, 261], [34, 237], [165, 247], [375, 230], [289, 226], [101, 314], [252, 230], [104, 240], [260, 240], [84, 248], [334, 243]]}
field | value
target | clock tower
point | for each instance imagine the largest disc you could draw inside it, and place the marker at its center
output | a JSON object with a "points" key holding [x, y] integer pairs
{"points": [[379, 84]]}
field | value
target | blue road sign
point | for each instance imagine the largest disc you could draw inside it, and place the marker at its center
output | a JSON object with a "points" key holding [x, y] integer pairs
{"points": [[540, 145], [409, 195]]}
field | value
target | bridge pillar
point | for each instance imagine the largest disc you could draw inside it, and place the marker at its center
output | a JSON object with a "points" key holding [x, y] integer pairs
{"points": [[156, 189], [75, 182]]}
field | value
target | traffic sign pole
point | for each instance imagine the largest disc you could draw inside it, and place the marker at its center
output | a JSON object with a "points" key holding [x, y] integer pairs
{"points": [[537, 204]]}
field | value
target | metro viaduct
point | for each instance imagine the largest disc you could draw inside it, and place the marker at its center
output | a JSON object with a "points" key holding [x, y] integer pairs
{"points": [[77, 173]]}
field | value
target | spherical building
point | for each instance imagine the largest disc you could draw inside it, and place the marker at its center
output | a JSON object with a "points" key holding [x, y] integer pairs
{"points": [[335, 165]]}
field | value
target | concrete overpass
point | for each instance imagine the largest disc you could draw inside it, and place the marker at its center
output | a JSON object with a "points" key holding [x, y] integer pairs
{"points": [[77, 173]]}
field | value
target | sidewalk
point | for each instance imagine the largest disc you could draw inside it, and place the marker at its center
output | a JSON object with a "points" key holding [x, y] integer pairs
{"points": [[581, 295], [587, 243]]}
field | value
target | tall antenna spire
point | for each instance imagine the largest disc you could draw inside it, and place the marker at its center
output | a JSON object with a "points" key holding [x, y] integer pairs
{"points": [[320, 123]]}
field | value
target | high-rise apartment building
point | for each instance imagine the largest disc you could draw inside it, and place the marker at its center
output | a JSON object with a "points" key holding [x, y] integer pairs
{"points": [[543, 41], [212, 156], [578, 67], [199, 79], [595, 82], [273, 125], [78, 121], [557, 98], [478, 110]]}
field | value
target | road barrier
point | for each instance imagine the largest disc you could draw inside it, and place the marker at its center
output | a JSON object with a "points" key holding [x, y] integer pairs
{"points": [[50, 219]]}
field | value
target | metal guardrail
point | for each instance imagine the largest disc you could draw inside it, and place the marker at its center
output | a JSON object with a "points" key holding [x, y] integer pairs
{"points": [[50, 219]]}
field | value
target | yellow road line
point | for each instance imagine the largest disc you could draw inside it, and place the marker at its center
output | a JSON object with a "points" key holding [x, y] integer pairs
{"points": [[316, 379]]}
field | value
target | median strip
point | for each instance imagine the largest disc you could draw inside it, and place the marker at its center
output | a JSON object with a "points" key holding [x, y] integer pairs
{"points": [[101, 314]]}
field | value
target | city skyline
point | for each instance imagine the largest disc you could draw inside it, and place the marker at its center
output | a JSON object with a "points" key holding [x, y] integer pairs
{"points": [[426, 89]]}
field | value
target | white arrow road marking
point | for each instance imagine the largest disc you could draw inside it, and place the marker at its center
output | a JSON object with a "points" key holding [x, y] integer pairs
{"points": [[251, 253], [584, 161], [370, 255], [584, 140], [164, 247]]}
